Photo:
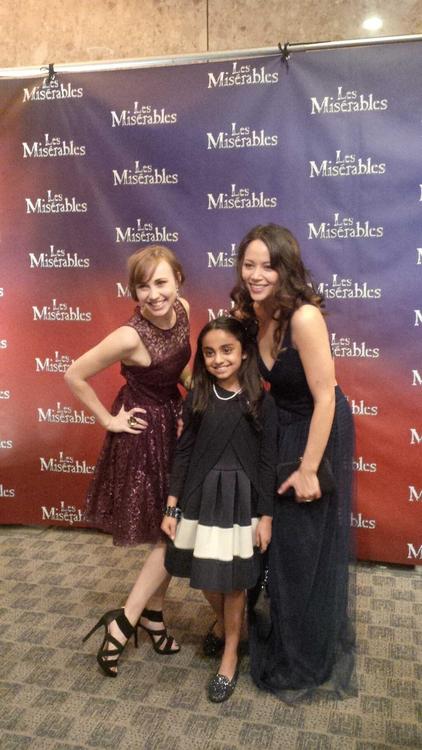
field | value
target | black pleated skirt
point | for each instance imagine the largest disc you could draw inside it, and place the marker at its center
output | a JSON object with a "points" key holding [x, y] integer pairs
{"points": [[215, 539]]}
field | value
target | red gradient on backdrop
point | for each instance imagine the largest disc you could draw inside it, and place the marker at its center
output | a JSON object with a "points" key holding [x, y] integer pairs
{"points": [[45, 425], [384, 440]]}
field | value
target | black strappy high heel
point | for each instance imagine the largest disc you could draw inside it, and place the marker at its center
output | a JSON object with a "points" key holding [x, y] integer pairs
{"points": [[162, 635], [108, 658]]}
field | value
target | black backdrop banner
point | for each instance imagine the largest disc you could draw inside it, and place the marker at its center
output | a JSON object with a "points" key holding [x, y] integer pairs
{"points": [[98, 164]]}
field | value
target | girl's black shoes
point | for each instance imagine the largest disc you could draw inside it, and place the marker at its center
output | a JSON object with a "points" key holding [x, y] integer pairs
{"points": [[220, 688], [162, 642], [107, 657], [212, 645]]}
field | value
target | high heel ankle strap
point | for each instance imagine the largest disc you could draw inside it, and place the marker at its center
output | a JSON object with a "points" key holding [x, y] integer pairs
{"points": [[124, 625], [153, 615]]}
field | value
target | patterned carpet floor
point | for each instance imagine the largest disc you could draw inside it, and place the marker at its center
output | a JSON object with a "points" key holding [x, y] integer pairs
{"points": [[56, 583]]}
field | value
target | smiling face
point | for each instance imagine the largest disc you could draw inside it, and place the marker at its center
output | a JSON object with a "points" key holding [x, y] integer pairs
{"points": [[223, 357], [260, 279], [158, 294]]}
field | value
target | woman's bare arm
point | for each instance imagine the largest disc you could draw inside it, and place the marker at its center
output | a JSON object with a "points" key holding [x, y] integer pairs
{"points": [[118, 345]]}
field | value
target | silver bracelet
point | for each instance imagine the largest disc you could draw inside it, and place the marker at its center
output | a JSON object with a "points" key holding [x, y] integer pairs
{"points": [[173, 511]]}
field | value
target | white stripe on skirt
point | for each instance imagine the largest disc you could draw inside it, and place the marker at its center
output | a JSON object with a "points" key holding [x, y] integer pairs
{"points": [[215, 543]]}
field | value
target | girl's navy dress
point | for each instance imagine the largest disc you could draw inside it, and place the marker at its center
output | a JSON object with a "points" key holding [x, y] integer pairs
{"points": [[224, 478]]}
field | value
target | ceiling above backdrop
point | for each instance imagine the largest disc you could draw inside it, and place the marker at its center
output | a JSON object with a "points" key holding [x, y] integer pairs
{"points": [[66, 31]]}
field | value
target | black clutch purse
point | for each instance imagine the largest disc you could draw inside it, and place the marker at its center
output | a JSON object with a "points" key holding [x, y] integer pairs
{"points": [[259, 604], [325, 476]]}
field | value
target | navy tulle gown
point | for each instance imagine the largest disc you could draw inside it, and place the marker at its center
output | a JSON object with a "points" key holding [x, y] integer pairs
{"points": [[307, 644]]}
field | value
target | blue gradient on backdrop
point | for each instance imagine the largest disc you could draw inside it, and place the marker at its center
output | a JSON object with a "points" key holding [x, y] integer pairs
{"points": [[281, 109]]}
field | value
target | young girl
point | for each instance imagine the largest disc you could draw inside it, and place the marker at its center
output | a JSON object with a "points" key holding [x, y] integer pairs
{"points": [[223, 483]]}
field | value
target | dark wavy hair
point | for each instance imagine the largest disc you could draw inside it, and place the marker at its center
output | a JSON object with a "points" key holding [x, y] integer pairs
{"points": [[295, 282], [249, 377]]}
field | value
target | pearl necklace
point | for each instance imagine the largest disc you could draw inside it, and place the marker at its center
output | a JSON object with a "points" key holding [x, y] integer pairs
{"points": [[225, 398]]}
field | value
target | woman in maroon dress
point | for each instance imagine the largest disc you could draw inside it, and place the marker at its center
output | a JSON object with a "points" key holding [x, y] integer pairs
{"points": [[130, 485]]}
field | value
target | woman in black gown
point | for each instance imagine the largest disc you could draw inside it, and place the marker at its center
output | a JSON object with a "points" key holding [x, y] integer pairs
{"points": [[309, 642]]}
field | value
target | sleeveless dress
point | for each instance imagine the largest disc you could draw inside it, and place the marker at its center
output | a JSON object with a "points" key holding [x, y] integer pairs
{"points": [[130, 484], [308, 645]]}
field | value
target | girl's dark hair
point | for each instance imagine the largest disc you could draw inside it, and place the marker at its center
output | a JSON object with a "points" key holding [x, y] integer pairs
{"points": [[249, 377], [295, 282]]}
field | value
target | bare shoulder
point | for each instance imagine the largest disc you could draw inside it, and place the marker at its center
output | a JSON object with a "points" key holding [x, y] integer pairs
{"points": [[306, 314], [124, 339], [307, 318], [308, 327], [185, 304], [118, 345]]}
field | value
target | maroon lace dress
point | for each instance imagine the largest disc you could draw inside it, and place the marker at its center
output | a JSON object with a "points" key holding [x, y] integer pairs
{"points": [[130, 485]]}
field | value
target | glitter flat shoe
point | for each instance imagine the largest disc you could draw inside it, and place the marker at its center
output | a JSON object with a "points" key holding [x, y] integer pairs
{"points": [[220, 687]]}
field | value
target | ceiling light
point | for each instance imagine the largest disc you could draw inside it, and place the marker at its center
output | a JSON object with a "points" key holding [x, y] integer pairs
{"points": [[373, 23]]}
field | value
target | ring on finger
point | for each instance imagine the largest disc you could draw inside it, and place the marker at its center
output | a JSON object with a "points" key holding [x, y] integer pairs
{"points": [[132, 421]]}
